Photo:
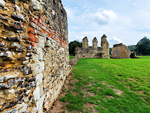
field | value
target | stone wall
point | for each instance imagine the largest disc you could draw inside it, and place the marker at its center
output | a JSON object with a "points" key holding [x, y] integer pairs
{"points": [[120, 51], [94, 52], [34, 57]]}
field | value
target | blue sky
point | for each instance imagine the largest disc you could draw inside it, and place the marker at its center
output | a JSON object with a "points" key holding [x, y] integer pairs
{"points": [[125, 21]]}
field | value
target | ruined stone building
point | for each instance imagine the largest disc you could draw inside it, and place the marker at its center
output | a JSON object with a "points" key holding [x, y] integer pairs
{"points": [[94, 52], [34, 56], [121, 51]]}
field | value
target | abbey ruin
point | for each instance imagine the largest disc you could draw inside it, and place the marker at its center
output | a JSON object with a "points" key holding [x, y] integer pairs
{"points": [[120, 51], [34, 56], [94, 52]]}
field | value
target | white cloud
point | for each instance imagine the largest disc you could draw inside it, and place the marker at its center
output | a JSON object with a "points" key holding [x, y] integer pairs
{"points": [[86, 25], [134, 3], [103, 16], [147, 35], [100, 17], [113, 41], [128, 23], [93, 25]]}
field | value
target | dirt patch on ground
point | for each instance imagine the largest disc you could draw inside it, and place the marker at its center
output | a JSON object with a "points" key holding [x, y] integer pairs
{"points": [[127, 87], [59, 106], [117, 91], [140, 92], [89, 85], [91, 77], [87, 93], [131, 79], [109, 97], [90, 107], [105, 83]]}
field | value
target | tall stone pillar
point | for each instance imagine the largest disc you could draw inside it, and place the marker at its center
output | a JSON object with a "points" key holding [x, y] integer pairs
{"points": [[94, 46], [85, 43], [105, 46]]}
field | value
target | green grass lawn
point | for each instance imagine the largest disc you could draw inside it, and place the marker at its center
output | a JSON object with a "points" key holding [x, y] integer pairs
{"points": [[110, 86], [71, 57]]}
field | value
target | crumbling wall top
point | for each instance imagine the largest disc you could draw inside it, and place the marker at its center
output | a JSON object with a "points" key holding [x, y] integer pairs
{"points": [[94, 46], [85, 39], [104, 40], [85, 43]]}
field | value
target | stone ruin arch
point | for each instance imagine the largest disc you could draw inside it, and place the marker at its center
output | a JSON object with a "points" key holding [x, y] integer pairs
{"points": [[94, 52]]}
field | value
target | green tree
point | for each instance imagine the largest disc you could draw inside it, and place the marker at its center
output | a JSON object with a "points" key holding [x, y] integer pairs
{"points": [[110, 50], [143, 47], [132, 48], [73, 45]]}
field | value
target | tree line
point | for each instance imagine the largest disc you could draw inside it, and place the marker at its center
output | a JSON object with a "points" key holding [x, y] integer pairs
{"points": [[73, 45], [141, 48]]}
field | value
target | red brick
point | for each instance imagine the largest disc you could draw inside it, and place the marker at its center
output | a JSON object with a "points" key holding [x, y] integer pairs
{"points": [[43, 31], [33, 20], [52, 34], [31, 30], [41, 14], [49, 35], [32, 39], [32, 43], [31, 35], [36, 40]]}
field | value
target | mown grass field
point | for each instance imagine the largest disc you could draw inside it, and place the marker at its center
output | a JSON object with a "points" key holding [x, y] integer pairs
{"points": [[110, 86]]}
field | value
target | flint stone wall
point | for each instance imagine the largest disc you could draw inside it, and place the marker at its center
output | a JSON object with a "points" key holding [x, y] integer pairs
{"points": [[120, 51], [34, 57]]}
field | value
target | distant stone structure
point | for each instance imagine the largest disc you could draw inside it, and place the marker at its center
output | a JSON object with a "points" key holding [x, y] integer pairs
{"points": [[85, 43], [120, 51], [73, 61], [94, 52], [95, 42], [133, 55]]}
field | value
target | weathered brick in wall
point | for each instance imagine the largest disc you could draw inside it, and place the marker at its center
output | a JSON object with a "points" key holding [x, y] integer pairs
{"points": [[34, 58]]}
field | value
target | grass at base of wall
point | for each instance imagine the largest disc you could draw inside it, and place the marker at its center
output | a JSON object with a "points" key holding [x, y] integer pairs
{"points": [[71, 57], [110, 86]]}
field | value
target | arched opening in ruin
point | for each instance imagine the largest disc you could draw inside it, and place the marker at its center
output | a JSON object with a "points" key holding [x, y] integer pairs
{"points": [[99, 55]]}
